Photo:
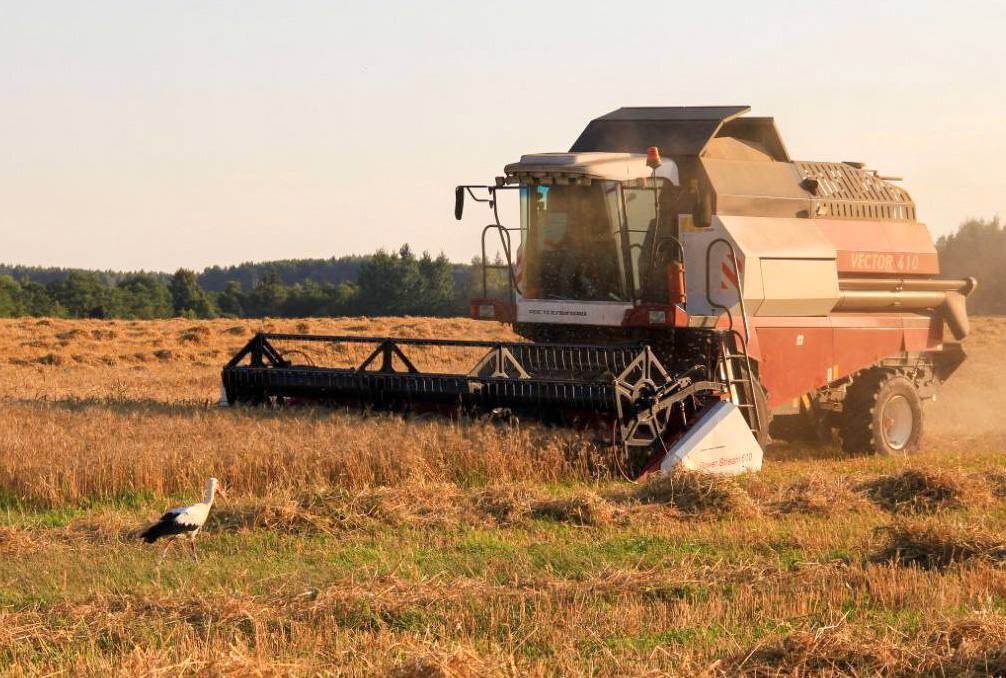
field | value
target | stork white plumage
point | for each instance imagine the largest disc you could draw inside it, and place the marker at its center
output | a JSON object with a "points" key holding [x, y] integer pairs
{"points": [[183, 522]]}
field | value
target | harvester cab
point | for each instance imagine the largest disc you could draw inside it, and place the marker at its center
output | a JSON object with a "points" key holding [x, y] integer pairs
{"points": [[679, 280]]}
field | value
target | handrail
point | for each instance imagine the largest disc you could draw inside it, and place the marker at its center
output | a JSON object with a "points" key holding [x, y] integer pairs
{"points": [[507, 245], [740, 286], [745, 340]]}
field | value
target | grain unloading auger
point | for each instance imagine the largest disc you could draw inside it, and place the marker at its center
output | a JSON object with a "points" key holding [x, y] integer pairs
{"points": [[681, 281]]}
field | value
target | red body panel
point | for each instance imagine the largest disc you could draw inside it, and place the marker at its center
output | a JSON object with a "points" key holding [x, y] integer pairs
{"points": [[492, 309], [794, 360], [800, 355]]}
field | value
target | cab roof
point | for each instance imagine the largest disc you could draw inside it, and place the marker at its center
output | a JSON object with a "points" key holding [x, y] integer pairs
{"points": [[678, 131]]}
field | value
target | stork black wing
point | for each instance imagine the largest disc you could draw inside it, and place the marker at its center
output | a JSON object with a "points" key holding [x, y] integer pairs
{"points": [[166, 526]]}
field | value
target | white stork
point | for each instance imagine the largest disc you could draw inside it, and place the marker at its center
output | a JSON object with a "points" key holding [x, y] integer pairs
{"points": [[183, 522]]}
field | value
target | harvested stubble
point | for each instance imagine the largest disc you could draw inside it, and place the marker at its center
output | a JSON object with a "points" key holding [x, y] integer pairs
{"points": [[815, 494], [366, 545], [413, 505], [838, 651], [973, 646]]}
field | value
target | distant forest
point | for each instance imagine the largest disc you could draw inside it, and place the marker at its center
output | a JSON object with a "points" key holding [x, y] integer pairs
{"points": [[383, 283], [978, 249]]}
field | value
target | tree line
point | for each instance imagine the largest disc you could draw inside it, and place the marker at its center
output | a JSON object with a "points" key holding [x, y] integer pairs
{"points": [[396, 283], [978, 249], [384, 283]]}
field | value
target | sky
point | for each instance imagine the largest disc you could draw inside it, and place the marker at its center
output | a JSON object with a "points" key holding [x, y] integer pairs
{"points": [[157, 135]]}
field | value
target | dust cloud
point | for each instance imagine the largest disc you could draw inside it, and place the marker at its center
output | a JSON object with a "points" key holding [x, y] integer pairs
{"points": [[973, 400]]}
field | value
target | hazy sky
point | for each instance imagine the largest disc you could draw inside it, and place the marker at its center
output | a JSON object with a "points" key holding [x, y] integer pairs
{"points": [[162, 134]]}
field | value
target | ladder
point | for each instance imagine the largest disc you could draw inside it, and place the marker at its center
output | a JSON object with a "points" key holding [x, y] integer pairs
{"points": [[734, 370], [734, 362]]}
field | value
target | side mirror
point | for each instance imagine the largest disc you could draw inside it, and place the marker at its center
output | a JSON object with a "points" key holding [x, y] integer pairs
{"points": [[459, 202]]}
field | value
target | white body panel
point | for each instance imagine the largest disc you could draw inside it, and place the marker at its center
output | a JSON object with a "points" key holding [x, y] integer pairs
{"points": [[604, 313], [559, 167], [787, 267], [720, 442]]}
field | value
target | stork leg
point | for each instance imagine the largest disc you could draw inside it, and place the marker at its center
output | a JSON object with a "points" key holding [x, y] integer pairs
{"points": [[164, 553], [192, 546]]}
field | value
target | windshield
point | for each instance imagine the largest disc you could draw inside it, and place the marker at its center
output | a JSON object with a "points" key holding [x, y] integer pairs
{"points": [[598, 242], [572, 242]]}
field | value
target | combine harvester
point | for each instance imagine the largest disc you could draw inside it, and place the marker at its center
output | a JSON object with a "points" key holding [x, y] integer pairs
{"points": [[680, 280]]}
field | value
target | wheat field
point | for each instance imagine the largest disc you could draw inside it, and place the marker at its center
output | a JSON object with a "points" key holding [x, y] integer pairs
{"points": [[363, 545]]}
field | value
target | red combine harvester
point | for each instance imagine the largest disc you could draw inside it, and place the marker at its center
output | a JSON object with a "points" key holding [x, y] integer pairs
{"points": [[680, 281]]}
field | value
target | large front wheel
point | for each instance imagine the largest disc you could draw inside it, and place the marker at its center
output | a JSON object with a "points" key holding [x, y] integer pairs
{"points": [[882, 413]]}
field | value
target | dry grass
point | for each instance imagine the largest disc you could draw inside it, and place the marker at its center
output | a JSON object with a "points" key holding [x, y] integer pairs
{"points": [[381, 546], [818, 495]]}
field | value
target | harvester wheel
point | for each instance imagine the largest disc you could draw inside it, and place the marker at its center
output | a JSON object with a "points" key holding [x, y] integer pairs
{"points": [[882, 413]]}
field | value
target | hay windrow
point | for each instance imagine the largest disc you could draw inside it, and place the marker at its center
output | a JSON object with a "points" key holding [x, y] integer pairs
{"points": [[696, 494], [462, 663], [427, 504], [837, 651], [997, 479], [330, 510], [972, 646], [931, 545], [581, 508], [415, 505], [924, 490], [503, 504]]}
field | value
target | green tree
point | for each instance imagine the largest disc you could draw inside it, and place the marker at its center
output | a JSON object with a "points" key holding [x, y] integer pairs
{"points": [[268, 295], [10, 297], [231, 300], [85, 294], [437, 280], [36, 300], [978, 249], [188, 299], [144, 296], [390, 284], [344, 299]]}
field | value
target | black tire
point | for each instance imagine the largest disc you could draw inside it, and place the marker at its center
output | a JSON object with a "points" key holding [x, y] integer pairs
{"points": [[882, 413]]}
